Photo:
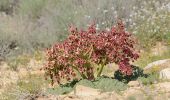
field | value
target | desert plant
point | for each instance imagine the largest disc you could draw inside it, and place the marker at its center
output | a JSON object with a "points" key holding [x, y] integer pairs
{"points": [[84, 49], [136, 73], [31, 8], [107, 84]]}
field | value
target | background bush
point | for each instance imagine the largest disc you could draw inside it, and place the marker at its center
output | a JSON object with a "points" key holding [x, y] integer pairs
{"points": [[37, 24]]}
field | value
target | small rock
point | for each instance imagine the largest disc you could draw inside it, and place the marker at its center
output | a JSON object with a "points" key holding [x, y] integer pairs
{"points": [[165, 73], [133, 84], [97, 96], [71, 98], [86, 91], [131, 92], [109, 96]]}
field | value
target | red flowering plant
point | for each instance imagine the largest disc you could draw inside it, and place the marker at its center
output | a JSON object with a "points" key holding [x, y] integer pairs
{"points": [[78, 54]]}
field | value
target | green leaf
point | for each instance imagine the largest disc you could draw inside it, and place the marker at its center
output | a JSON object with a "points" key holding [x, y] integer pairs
{"points": [[87, 83], [109, 84]]}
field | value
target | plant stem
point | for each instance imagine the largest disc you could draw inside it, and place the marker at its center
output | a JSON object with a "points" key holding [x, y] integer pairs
{"points": [[82, 75], [101, 67], [100, 70]]}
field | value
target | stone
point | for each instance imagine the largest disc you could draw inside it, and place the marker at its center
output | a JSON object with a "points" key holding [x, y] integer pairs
{"points": [[133, 84], [165, 73], [109, 96], [163, 87], [133, 92], [102, 96], [157, 65], [86, 91]]}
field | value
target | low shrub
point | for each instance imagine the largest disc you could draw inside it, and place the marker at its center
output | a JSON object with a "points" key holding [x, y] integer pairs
{"points": [[105, 84], [150, 79], [18, 61]]}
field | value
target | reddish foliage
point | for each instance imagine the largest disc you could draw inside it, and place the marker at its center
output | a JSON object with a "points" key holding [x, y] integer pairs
{"points": [[82, 48]]}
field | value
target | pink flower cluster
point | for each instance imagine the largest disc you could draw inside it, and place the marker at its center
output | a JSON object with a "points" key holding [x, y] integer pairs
{"points": [[82, 49]]}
